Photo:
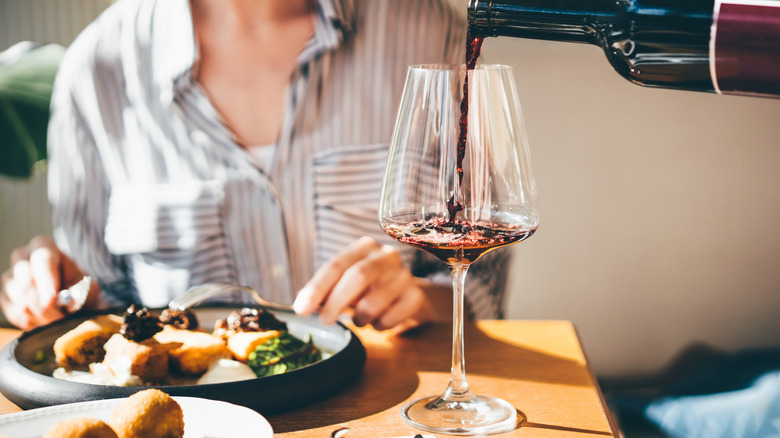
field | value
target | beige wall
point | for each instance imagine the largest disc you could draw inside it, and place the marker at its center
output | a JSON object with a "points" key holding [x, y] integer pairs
{"points": [[659, 210]]}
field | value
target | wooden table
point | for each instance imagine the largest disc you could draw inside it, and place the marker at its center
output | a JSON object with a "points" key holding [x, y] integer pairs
{"points": [[537, 366]]}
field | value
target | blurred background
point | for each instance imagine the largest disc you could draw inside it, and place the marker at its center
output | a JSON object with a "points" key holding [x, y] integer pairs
{"points": [[659, 208]]}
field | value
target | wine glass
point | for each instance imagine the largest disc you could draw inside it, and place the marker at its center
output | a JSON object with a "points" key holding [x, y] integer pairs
{"points": [[458, 184]]}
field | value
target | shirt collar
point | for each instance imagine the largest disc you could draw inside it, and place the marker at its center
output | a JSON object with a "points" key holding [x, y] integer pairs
{"points": [[339, 12], [173, 43]]}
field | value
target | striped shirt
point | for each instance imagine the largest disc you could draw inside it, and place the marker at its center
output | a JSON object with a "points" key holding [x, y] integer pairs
{"points": [[152, 194]]}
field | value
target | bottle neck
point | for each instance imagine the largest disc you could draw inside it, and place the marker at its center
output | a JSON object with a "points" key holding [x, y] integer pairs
{"points": [[559, 20]]}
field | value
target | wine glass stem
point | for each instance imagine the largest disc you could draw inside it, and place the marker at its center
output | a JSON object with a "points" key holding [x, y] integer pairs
{"points": [[458, 389]]}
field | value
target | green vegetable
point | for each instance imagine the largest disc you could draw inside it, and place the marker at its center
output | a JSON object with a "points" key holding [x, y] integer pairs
{"points": [[282, 354]]}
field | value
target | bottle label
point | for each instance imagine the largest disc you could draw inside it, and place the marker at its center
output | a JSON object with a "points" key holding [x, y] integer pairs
{"points": [[745, 47]]}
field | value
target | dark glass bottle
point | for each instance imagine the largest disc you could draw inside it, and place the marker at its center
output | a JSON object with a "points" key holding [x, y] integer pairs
{"points": [[723, 46]]}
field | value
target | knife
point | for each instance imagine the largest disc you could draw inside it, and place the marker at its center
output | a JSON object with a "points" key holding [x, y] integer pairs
{"points": [[72, 299]]}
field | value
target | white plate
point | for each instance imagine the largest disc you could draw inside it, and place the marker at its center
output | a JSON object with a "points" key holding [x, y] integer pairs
{"points": [[202, 418]]}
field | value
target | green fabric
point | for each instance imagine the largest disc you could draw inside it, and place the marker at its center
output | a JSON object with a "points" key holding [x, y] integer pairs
{"points": [[26, 79]]}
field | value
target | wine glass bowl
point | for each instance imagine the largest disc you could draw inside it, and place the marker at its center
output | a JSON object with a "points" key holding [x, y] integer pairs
{"points": [[458, 184]]}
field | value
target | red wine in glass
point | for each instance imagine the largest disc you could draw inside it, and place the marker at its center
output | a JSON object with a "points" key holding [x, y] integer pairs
{"points": [[461, 242]]}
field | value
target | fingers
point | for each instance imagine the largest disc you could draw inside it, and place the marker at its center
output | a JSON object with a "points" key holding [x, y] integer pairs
{"points": [[45, 268], [28, 296], [379, 272], [22, 282], [13, 304], [380, 297], [12, 295], [38, 265], [371, 279], [313, 295], [45, 274], [407, 312]]}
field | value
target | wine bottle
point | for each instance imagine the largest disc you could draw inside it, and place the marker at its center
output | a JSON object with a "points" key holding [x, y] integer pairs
{"points": [[721, 46]]}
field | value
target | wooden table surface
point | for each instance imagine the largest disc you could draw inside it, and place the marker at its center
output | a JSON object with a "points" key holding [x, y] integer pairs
{"points": [[537, 366]]}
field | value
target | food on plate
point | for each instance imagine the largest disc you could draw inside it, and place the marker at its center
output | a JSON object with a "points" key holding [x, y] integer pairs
{"points": [[281, 354], [148, 413], [80, 427], [180, 319], [141, 348], [139, 324], [196, 352], [242, 344], [84, 344], [248, 320], [147, 359]]}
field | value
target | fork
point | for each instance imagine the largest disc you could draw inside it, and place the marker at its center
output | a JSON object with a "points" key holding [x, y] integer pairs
{"points": [[200, 293]]}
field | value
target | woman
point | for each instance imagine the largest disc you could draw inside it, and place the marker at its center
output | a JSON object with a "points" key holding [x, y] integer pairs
{"points": [[240, 141]]}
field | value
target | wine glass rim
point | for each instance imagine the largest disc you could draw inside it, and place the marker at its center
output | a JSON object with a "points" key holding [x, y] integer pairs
{"points": [[458, 67]]}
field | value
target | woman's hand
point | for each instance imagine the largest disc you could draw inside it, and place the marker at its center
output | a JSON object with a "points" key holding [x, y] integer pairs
{"points": [[38, 271], [371, 279]]}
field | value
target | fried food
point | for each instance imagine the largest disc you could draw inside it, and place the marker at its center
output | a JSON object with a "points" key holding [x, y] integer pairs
{"points": [[148, 413], [147, 360], [241, 344], [81, 427], [197, 351], [140, 348], [84, 344]]}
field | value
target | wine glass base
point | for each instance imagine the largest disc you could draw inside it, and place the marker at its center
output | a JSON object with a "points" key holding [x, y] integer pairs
{"points": [[481, 415]]}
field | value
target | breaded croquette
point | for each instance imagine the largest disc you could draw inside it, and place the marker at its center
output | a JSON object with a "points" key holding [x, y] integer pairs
{"points": [[147, 360], [148, 413], [197, 352], [81, 427], [84, 344]]}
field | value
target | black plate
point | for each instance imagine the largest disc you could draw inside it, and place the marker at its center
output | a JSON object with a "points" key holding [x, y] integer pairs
{"points": [[30, 385]]}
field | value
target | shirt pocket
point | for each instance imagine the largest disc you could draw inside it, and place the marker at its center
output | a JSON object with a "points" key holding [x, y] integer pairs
{"points": [[170, 236], [347, 186]]}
